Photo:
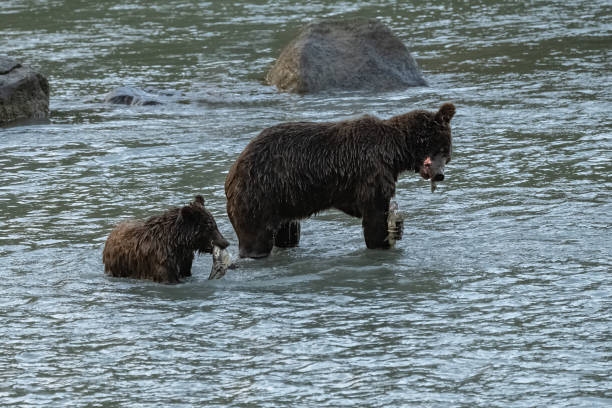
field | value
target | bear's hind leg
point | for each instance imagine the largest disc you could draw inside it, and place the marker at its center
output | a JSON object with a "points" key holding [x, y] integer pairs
{"points": [[255, 243], [288, 234]]}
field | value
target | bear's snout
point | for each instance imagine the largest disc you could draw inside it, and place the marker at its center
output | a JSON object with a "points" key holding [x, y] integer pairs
{"points": [[219, 241], [433, 169]]}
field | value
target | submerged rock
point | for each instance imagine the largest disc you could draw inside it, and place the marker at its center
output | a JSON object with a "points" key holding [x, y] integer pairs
{"points": [[349, 55], [127, 95], [24, 93]]}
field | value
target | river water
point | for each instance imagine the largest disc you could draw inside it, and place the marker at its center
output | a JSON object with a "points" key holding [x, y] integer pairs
{"points": [[498, 295]]}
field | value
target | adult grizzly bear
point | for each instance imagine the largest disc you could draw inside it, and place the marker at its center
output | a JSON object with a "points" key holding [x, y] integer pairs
{"points": [[161, 248], [293, 170]]}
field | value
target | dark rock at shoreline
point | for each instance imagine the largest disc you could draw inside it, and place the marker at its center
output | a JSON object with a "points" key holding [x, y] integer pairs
{"points": [[24, 93], [345, 55]]}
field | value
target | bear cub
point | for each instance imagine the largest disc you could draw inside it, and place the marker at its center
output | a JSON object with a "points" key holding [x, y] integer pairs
{"points": [[293, 170], [162, 248]]}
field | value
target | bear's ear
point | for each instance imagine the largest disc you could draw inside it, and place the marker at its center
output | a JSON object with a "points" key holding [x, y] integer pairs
{"points": [[446, 113], [199, 200]]}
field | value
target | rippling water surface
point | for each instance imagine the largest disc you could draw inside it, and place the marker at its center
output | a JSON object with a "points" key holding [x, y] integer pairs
{"points": [[498, 295]]}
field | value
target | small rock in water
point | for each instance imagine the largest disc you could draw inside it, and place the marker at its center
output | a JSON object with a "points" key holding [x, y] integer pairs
{"points": [[221, 261], [395, 224], [127, 95]]}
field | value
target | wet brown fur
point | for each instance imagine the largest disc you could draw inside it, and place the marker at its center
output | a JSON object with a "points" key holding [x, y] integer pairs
{"points": [[161, 248], [293, 170]]}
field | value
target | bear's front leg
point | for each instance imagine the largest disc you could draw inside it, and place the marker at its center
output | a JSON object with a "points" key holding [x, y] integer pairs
{"points": [[185, 265], [287, 235], [375, 229], [166, 274]]}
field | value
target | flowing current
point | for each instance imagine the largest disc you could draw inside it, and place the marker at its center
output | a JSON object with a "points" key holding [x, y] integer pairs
{"points": [[498, 295]]}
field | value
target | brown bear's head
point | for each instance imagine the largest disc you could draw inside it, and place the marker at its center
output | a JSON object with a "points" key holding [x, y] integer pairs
{"points": [[198, 227], [437, 145]]}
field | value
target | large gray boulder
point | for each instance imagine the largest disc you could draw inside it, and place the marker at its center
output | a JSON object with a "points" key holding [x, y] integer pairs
{"points": [[345, 55], [24, 93]]}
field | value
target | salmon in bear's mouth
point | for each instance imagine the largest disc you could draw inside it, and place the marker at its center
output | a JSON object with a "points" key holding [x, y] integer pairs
{"points": [[433, 170]]}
